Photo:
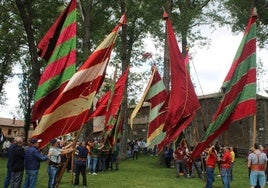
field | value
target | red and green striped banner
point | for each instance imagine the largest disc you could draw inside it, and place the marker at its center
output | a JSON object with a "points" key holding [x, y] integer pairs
{"points": [[70, 110], [239, 87], [117, 94], [116, 132], [156, 94], [58, 48]]}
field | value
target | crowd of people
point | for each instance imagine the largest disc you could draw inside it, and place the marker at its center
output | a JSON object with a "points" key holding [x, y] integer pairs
{"points": [[220, 157], [94, 156]]}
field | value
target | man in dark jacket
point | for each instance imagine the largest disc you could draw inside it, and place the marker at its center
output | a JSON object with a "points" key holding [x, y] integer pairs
{"points": [[9, 159], [32, 160], [81, 164], [17, 163]]}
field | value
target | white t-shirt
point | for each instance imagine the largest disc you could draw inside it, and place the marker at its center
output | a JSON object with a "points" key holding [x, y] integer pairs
{"points": [[55, 154], [253, 157]]}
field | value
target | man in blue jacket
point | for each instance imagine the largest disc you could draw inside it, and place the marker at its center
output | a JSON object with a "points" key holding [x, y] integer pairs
{"points": [[32, 160]]}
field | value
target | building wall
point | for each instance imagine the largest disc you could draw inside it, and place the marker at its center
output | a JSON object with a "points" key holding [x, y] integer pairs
{"points": [[12, 128], [238, 135]]}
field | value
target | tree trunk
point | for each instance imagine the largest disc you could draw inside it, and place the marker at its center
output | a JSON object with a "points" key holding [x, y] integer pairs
{"points": [[88, 128], [125, 60], [25, 11], [166, 76]]}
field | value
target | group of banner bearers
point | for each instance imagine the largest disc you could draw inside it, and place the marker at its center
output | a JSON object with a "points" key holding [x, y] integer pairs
{"points": [[69, 110], [222, 157], [92, 156]]}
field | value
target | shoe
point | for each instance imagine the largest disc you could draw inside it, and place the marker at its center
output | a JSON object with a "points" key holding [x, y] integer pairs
{"points": [[94, 173], [89, 173]]}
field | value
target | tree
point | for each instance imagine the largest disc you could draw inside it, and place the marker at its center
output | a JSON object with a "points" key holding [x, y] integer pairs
{"points": [[239, 14], [29, 12], [10, 44]]}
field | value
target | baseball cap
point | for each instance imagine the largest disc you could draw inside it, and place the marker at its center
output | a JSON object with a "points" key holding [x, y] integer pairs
{"points": [[35, 140], [53, 141]]}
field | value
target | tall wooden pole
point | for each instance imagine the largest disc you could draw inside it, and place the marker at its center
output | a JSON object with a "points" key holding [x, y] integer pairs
{"points": [[254, 130], [254, 3], [61, 172]]}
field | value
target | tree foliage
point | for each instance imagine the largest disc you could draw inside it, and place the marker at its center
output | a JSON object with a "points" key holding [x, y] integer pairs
{"points": [[239, 14], [24, 23]]}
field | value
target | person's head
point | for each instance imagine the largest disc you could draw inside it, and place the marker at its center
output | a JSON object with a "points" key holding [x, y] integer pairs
{"points": [[83, 143], [226, 148], [256, 146], [35, 142], [261, 147], [252, 149], [18, 140], [54, 142]]}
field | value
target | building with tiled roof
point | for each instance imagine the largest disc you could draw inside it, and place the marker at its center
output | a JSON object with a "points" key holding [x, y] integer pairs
{"points": [[12, 127]]}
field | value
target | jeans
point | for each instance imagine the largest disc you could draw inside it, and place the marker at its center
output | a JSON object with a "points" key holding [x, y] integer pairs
{"points": [[114, 159], [31, 178], [93, 164], [7, 178], [226, 177], [52, 175], [180, 164], [231, 173], [210, 177], [198, 167], [16, 179], [88, 162], [102, 164]]}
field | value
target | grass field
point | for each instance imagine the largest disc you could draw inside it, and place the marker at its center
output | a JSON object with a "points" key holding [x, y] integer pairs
{"points": [[142, 173]]}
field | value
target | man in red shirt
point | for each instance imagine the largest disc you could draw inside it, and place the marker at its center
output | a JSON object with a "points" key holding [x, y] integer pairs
{"points": [[210, 165], [179, 157], [226, 162]]}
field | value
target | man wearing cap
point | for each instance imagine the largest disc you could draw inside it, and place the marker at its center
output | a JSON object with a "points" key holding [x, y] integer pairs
{"points": [[32, 160], [54, 161]]}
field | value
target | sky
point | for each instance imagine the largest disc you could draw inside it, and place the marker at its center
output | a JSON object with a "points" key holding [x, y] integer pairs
{"points": [[209, 66]]}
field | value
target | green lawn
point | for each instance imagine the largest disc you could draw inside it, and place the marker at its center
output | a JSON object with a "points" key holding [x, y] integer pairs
{"points": [[144, 172]]}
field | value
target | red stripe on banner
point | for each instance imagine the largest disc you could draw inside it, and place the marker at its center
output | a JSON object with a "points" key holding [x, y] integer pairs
{"points": [[249, 49], [60, 127], [76, 92], [46, 101], [237, 88], [242, 106], [58, 66], [67, 33]]}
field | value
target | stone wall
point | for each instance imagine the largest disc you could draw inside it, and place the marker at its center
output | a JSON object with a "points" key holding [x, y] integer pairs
{"points": [[239, 134]]}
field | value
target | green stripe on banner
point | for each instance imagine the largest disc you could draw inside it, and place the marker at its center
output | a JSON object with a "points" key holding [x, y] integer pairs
{"points": [[155, 89], [71, 18], [63, 49], [54, 82]]}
